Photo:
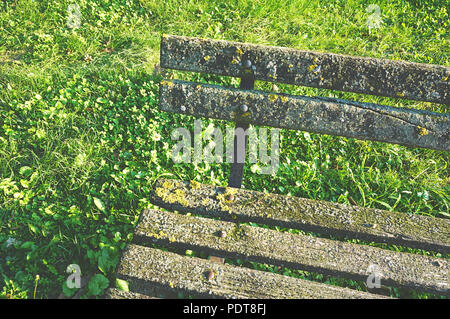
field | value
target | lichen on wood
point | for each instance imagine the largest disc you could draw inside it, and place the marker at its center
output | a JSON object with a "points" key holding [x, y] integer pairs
{"points": [[296, 251], [391, 78], [114, 293], [148, 270], [366, 121], [323, 217]]}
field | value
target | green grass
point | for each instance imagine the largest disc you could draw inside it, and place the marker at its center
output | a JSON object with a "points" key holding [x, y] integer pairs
{"points": [[79, 108]]}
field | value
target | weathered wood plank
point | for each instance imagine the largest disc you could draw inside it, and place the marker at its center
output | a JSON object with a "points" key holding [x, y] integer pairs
{"points": [[114, 293], [415, 81], [323, 217], [298, 251], [319, 115], [146, 268]]}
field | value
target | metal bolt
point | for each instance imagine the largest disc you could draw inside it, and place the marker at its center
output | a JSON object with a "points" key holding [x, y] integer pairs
{"points": [[222, 234], [210, 275], [244, 108], [183, 108], [247, 64]]}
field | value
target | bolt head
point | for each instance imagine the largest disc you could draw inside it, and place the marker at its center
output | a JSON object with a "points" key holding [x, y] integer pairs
{"points": [[247, 64], [210, 275], [244, 108], [222, 234], [183, 108]]}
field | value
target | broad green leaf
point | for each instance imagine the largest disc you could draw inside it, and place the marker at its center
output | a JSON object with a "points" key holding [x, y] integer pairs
{"points": [[27, 245], [69, 292], [99, 204], [25, 171], [98, 284], [122, 285], [24, 183], [33, 228]]}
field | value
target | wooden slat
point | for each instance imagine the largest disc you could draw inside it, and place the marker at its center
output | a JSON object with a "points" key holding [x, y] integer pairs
{"points": [[293, 250], [424, 82], [319, 115], [114, 293], [148, 268], [324, 217]]}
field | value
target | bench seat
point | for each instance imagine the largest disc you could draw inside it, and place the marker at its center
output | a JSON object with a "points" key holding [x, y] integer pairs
{"points": [[152, 272]]}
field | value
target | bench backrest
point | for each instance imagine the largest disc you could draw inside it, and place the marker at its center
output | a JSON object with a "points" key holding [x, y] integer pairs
{"points": [[367, 121]]}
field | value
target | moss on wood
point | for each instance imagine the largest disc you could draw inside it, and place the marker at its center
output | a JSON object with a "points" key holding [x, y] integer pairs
{"points": [[324, 217], [296, 251], [339, 117], [148, 269], [415, 81]]}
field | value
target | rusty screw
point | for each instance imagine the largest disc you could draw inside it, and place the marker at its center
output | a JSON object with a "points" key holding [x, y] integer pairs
{"points": [[229, 197], [210, 275]]}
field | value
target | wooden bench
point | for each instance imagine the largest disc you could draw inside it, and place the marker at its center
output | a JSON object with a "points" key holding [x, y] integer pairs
{"points": [[228, 226]]}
